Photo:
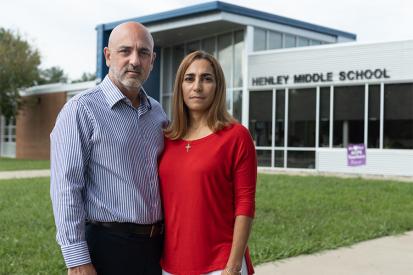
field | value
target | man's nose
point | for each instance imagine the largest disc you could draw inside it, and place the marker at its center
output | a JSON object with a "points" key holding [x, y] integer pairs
{"points": [[134, 59]]}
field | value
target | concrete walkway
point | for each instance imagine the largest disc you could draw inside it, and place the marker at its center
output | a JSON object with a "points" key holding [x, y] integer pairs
{"points": [[24, 174], [383, 256]]}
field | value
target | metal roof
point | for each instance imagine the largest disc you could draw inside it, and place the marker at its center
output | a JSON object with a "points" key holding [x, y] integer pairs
{"points": [[218, 6]]}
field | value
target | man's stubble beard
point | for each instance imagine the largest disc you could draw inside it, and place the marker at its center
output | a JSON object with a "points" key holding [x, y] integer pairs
{"points": [[130, 84]]}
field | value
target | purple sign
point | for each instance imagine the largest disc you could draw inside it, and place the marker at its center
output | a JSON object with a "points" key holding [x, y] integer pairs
{"points": [[356, 154]]}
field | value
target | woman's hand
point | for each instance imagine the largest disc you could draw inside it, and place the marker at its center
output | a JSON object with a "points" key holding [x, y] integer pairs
{"points": [[231, 271]]}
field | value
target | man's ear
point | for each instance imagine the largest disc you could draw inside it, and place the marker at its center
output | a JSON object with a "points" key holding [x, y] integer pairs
{"points": [[153, 58], [106, 53]]}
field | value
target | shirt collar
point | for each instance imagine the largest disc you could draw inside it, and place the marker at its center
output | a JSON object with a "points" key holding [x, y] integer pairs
{"points": [[113, 95]]}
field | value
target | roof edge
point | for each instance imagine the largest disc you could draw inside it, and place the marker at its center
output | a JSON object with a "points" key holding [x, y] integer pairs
{"points": [[230, 8]]}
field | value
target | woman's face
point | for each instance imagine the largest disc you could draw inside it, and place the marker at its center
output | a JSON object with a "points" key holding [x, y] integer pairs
{"points": [[198, 86]]}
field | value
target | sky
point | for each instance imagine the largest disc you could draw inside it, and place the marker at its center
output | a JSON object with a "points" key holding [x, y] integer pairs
{"points": [[64, 30]]}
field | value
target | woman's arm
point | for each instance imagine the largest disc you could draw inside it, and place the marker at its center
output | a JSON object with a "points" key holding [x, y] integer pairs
{"points": [[242, 229]]}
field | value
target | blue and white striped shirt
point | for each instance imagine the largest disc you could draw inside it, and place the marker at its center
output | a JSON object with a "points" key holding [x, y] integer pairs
{"points": [[104, 164]]}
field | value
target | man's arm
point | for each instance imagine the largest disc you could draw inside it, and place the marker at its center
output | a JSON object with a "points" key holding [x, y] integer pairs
{"points": [[70, 150]]}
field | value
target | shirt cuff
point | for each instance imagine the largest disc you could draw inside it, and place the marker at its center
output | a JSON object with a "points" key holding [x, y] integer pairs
{"points": [[76, 254]]}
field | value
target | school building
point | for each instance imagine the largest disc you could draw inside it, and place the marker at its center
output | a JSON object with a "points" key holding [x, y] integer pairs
{"points": [[312, 97]]}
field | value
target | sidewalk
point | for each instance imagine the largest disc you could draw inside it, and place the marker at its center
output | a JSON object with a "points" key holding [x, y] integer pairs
{"points": [[24, 174], [383, 256]]}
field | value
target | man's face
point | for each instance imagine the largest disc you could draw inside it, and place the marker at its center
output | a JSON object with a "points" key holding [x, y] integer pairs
{"points": [[130, 59]]}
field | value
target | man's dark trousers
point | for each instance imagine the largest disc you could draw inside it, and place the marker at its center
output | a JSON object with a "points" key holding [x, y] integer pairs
{"points": [[115, 253]]}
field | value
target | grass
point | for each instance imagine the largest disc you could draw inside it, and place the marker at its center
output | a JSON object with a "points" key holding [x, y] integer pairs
{"points": [[302, 215], [10, 164], [295, 215], [27, 239]]}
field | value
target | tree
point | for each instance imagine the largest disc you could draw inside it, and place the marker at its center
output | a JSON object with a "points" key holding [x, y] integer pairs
{"points": [[53, 74], [19, 63], [85, 77]]}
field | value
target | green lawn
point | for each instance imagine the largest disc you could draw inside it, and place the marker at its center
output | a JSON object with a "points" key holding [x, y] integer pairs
{"points": [[10, 164], [295, 215]]}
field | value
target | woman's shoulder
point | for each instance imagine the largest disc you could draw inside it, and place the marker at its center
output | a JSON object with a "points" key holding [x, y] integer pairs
{"points": [[238, 130]]}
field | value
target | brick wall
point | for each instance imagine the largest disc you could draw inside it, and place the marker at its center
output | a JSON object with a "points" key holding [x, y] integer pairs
{"points": [[34, 123]]}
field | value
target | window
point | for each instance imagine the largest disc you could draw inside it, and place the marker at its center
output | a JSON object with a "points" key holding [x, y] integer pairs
{"points": [[269, 40], [279, 118], [238, 58], [167, 75], [348, 124], [303, 42], [301, 117], [237, 105], [301, 159], [315, 42], [225, 56], [260, 121], [260, 39], [275, 40], [192, 47], [289, 41], [324, 119], [208, 45], [264, 158], [398, 116], [279, 158], [9, 130], [228, 48], [374, 117], [177, 56]]}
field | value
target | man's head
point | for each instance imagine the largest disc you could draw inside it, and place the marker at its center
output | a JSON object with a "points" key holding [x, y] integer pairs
{"points": [[129, 56]]}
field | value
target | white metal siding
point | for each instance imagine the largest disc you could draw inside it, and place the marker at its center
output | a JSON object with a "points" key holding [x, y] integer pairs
{"points": [[395, 57], [378, 162]]}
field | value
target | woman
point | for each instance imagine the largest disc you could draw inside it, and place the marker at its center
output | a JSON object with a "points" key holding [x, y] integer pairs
{"points": [[208, 176]]}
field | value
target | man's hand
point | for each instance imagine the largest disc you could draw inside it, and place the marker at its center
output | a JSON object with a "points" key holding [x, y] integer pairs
{"points": [[86, 269]]}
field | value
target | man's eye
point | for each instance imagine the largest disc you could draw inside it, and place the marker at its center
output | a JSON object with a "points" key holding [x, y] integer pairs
{"points": [[145, 54]]}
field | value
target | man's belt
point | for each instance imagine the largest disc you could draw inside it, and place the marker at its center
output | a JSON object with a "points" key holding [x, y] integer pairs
{"points": [[149, 230]]}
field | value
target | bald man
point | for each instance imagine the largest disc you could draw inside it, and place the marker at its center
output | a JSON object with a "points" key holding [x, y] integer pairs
{"points": [[104, 166]]}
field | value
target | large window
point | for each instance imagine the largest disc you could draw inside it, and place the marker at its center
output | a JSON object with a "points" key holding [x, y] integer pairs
{"points": [[279, 118], [348, 115], [324, 119], [228, 48], [275, 40], [260, 39], [260, 123], [374, 117], [398, 116], [9, 130], [289, 41], [301, 159], [388, 116], [268, 40], [301, 117], [208, 45]]}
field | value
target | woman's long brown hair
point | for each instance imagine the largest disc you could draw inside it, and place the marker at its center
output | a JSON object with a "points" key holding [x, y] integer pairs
{"points": [[217, 116]]}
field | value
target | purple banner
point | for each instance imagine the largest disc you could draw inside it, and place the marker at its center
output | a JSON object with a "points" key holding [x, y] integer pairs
{"points": [[356, 154]]}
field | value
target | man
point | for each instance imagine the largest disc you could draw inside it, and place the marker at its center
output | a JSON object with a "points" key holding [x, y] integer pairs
{"points": [[104, 178]]}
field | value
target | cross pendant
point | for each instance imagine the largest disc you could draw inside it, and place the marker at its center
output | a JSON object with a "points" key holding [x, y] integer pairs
{"points": [[188, 146]]}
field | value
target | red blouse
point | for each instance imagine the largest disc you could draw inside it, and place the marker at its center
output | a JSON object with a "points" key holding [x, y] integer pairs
{"points": [[205, 184]]}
